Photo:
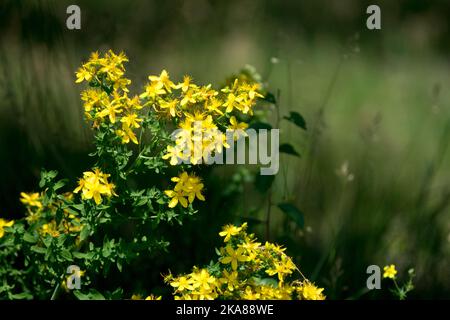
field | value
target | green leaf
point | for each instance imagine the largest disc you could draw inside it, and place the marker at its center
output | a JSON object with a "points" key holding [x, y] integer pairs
{"points": [[66, 254], [270, 97], [38, 249], [70, 210], [117, 294], [297, 119], [21, 296], [263, 183], [28, 237], [79, 207], [47, 176], [59, 185], [293, 212], [289, 149], [91, 295], [79, 255], [59, 215], [85, 232]]}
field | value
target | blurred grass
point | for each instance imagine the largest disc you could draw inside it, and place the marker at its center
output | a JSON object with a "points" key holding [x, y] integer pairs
{"points": [[378, 102]]}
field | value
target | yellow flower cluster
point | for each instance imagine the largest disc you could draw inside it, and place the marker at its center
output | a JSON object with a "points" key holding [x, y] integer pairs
{"points": [[108, 99], [106, 70], [45, 216], [199, 111], [198, 139], [94, 185], [3, 224], [187, 188], [246, 270]]}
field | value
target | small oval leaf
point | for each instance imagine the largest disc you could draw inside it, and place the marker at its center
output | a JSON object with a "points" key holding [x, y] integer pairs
{"points": [[293, 212]]}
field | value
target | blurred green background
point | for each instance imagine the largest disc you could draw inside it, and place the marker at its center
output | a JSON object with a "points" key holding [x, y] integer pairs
{"points": [[373, 179]]}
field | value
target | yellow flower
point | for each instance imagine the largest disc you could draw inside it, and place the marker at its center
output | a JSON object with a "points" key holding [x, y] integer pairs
{"points": [[127, 135], [83, 74], [238, 128], [153, 297], [230, 279], [234, 256], [31, 199], [188, 186], [282, 269], [3, 224], [389, 271], [171, 106], [185, 84], [310, 292], [182, 283], [94, 185], [232, 102], [131, 120], [177, 196], [50, 228], [229, 231], [163, 79], [153, 90], [252, 90], [213, 105], [175, 154], [111, 110], [189, 97], [203, 279], [249, 294]]}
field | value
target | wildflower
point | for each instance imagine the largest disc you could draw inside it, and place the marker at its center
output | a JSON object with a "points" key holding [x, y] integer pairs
{"points": [[389, 271], [281, 269], [188, 97], [229, 231], [83, 74], [230, 279], [127, 135], [111, 110], [174, 153], [153, 297], [234, 256], [247, 281], [182, 283], [252, 90], [187, 186], [177, 196], [171, 106], [203, 279], [213, 106], [163, 79], [232, 102], [238, 128], [186, 84], [131, 120], [50, 228], [249, 294], [31, 199], [310, 292], [153, 90], [94, 185], [3, 224]]}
